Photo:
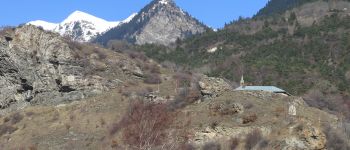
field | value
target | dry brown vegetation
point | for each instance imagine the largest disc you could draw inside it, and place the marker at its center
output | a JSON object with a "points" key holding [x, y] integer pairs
{"points": [[185, 97], [148, 126], [253, 139], [7, 129], [152, 79], [337, 139], [249, 118], [212, 146]]}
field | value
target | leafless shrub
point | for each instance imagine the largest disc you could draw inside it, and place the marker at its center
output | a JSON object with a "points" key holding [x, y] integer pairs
{"points": [[212, 146], [185, 97], [72, 117], [228, 108], [137, 55], [330, 102], [103, 122], [253, 139], [169, 65], [264, 143], [29, 113], [233, 143], [16, 117], [145, 125], [118, 45], [214, 124], [183, 79], [67, 126], [126, 93], [248, 106], [249, 118], [336, 139], [6, 119], [6, 129], [152, 68], [279, 111], [152, 79], [187, 147], [33, 147], [100, 53]]}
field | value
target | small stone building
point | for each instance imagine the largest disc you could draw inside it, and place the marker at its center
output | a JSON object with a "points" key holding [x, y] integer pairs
{"points": [[271, 89]]}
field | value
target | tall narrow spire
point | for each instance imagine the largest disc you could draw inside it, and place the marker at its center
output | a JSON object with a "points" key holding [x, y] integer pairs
{"points": [[242, 82]]}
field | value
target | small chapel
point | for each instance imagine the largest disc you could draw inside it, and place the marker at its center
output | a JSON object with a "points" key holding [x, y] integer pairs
{"points": [[271, 89]]}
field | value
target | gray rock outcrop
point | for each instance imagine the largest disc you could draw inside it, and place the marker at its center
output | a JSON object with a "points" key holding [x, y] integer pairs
{"points": [[212, 87], [160, 22], [39, 67]]}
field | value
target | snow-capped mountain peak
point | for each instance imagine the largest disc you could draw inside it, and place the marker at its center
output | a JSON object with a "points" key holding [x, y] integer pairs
{"points": [[80, 26], [100, 24]]}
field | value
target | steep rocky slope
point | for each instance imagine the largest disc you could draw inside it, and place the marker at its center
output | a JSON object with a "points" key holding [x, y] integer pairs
{"points": [[160, 22], [230, 120], [40, 67]]}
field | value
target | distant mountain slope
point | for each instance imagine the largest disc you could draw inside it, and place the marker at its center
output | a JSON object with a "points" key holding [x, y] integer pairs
{"points": [[80, 26], [280, 6], [305, 51], [160, 22]]}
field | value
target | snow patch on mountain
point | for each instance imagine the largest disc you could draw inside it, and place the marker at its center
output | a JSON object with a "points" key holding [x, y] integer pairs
{"points": [[45, 25], [165, 2], [81, 26]]}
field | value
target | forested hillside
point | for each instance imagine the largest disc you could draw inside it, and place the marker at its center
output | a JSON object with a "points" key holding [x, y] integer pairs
{"points": [[308, 60], [274, 7]]}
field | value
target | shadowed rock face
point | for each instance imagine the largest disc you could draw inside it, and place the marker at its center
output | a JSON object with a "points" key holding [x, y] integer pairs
{"points": [[160, 22], [38, 67]]}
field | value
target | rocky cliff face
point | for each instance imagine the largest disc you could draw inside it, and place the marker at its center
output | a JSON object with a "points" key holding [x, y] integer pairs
{"points": [[39, 67], [160, 22]]}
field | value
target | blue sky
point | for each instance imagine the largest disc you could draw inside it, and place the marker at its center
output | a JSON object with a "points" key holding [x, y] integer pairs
{"points": [[214, 13]]}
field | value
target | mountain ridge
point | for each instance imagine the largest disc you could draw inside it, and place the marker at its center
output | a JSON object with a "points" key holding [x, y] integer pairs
{"points": [[80, 26], [160, 22]]}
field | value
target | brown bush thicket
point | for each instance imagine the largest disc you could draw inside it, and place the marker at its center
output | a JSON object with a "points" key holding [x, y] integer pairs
{"points": [[249, 118], [100, 53], [212, 146], [118, 45], [169, 65], [33, 147], [15, 118], [328, 102], [137, 55], [248, 106], [233, 143], [29, 113], [152, 68], [152, 79], [147, 126], [185, 97], [223, 109], [6, 129], [187, 147], [184, 79], [253, 139], [336, 139]]}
